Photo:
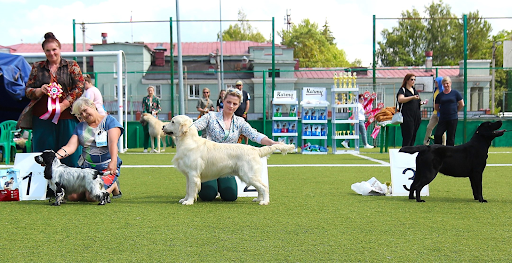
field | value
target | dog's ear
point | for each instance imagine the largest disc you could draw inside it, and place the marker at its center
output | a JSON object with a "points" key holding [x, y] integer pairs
{"points": [[184, 127]]}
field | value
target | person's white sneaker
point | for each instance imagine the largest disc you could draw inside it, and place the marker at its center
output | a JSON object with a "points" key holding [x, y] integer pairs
{"points": [[145, 150], [368, 146], [345, 144]]}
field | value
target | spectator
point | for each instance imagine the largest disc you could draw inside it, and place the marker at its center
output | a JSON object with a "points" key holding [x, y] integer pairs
{"points": [[409, 101], [94, 94], [362, 129], [448, 103], [150, 104], [205, 104], [438, 87], [52, 127], [244, 106], [220, 103]]}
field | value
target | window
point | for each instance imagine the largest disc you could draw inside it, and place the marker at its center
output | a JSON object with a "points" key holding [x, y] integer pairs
{"points": [[115, 71], [193, 91], [116, 94], [158, 91], [277, 71]]}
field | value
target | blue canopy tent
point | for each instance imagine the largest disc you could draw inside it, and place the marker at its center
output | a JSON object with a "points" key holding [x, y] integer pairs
{"points": [[14, 73]]}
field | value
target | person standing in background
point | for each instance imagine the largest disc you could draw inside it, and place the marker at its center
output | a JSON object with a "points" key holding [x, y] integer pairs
{"points": [[434, 119], [244, 106], [94, 94], [205, 104], [220, 100], [151, 105], [409, 99], [448, 104]]}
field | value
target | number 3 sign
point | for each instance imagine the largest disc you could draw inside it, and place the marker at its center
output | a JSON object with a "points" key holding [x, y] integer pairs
{"points": [[31, 180]]}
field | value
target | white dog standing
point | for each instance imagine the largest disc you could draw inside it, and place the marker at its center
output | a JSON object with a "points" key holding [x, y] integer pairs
{"points": [[201, 160], [155, 130]]}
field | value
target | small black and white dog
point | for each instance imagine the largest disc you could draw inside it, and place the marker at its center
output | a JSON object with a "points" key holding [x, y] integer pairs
{"points": [[73, 180]]}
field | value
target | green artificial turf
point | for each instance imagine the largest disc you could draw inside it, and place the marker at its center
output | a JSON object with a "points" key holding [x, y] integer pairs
{"points": [[313, 216]]}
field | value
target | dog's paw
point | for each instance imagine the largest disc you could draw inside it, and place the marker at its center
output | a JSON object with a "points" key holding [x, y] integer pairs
{"points": [[256, 200], [188, 202], [264, 202], [56, 204], [483, 201]]}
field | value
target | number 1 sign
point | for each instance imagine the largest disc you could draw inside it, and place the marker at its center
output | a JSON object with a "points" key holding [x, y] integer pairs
{"points": [[31, 177]]}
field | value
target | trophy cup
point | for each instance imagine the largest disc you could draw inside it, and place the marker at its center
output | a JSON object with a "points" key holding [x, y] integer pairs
{"points": [[354, 79], [344, 80], [335, 79], [349, 80], [343, 98], [352, 98]]}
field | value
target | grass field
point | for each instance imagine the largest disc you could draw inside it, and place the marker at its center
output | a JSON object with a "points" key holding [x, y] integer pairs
{"points": [[313, 216]]}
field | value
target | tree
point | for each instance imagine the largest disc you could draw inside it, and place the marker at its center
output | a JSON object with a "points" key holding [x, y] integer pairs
{"points": [[312, 46], [442, 33], [500, 74], [242, 31]]}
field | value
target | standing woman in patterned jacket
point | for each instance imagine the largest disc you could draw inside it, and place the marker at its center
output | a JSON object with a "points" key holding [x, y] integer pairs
{"points": [[151, 105], [226, 127], [54, 84]]}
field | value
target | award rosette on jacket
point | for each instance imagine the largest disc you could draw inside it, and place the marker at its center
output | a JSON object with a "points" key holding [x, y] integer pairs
{"points": [[54, 93]]}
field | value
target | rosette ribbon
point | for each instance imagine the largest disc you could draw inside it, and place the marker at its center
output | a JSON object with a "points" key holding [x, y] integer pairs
{"points": [[54, 93]]}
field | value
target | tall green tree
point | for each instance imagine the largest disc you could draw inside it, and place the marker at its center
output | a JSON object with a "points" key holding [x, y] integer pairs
{"points": [[313, 47], [441, 32], [242, 31], [500, 74]]}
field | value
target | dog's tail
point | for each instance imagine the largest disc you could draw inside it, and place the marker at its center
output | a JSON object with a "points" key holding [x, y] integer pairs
{"points": [[283, 148], [414, 149]]}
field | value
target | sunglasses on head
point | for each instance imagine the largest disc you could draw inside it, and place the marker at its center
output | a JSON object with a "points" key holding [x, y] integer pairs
{"points": [[234, 91]]}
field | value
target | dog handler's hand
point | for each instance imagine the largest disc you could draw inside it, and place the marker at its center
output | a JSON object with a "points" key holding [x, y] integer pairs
{"points": [[112, 168]]}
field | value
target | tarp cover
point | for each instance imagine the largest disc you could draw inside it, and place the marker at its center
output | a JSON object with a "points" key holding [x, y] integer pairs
{"points": [[14, 73]]}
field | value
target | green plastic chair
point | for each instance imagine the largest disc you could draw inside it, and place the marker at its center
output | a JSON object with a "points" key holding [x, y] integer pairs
{"points": [[7, 129], [28, 144]]}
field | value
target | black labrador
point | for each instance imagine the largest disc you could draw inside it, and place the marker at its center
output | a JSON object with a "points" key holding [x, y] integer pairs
{"points": [[465, 160]]}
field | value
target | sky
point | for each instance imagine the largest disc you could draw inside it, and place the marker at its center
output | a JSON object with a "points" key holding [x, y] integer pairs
{"points": [[351, 22]]}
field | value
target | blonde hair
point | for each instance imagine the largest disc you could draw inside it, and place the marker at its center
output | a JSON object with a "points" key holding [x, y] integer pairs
{"points": [[79, 104], [234, 92], [446, 79], [151, 87]]}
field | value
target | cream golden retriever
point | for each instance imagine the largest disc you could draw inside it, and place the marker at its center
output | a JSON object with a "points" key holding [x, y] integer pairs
{"points": [[155, 130], [201, 160]]}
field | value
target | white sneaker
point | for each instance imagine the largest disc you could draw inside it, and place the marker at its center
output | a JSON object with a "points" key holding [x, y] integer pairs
{"points": [[368, 146], [345, 144], [145, 150]]}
